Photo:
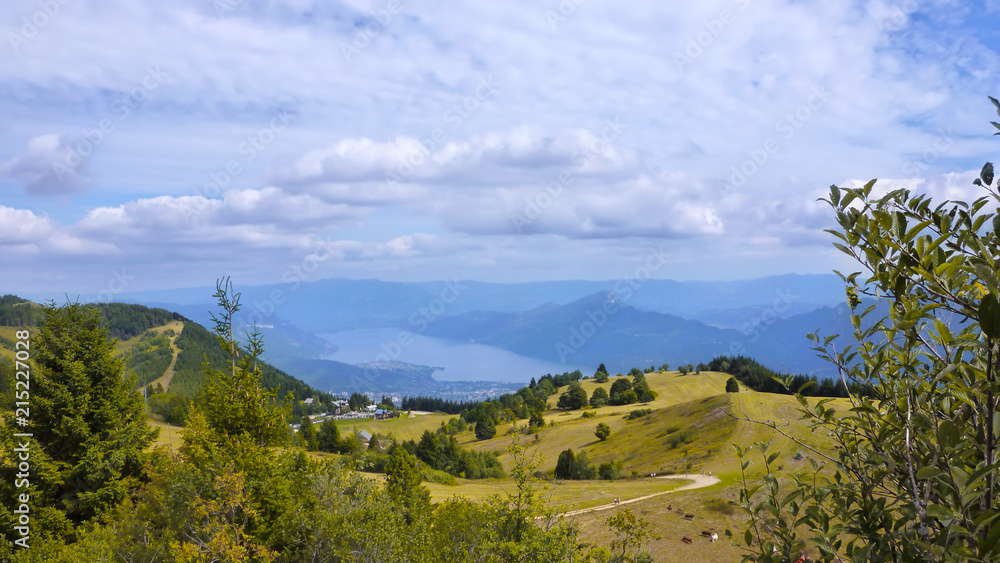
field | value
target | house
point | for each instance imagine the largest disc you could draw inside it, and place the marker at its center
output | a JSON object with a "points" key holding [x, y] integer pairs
{"points": [[371, 408], [340, 407], [382, 414], [309, 401], [365, 435]]}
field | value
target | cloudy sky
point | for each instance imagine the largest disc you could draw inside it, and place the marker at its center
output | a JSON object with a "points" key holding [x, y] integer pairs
{"points": [[163, 144]]}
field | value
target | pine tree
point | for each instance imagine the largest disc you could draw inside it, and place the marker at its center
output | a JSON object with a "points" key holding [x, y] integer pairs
{"points": [[86, 416], [237, 406]]}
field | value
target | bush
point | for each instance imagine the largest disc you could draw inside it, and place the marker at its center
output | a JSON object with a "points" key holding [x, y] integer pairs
{"points": [[436, 476], [573, 466], [732, 386], [589, 414], [602, 431], [639, 413], [170, 407], [610, 471], [485, 429], [678, 440]]}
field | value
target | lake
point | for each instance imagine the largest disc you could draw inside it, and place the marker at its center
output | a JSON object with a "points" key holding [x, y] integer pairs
{"points": [[458, 361]]}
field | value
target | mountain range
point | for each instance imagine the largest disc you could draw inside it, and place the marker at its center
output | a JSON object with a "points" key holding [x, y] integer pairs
{"points": [[622, 323]]}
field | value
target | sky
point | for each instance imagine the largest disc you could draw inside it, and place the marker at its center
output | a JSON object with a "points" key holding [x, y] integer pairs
{"points": [[154, 145]]}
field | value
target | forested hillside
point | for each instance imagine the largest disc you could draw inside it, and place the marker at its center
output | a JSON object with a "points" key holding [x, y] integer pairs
{"points": [[148, 358]]}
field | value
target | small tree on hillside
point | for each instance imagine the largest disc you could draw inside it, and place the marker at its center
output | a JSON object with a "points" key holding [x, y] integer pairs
{"points": [[602, 431], [485, 429], [732, 386], [402, 482], [574, 398], [565, 465], [599, 397], [236, 405], [328, 437]]}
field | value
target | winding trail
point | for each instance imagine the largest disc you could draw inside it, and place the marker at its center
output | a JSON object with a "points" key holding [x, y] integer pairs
{"points": [[700, 482]]}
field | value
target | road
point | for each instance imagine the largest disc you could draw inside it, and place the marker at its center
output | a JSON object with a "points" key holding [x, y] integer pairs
{"points": [[700, 482]]}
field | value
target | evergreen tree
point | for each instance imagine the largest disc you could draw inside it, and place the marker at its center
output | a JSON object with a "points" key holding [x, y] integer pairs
{"points": [[485, 429], [328, 437], [87, 418], [308, 434], [402, 482], [236, 405]]}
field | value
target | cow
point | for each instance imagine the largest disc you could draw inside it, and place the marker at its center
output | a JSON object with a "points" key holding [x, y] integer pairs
{"points": [[689, 516], [686, 539], [715, 537], [670, 507], [706, 533]]}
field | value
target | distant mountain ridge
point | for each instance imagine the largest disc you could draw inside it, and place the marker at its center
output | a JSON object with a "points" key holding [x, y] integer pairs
{"points": [[655, 321], [343, 304]]}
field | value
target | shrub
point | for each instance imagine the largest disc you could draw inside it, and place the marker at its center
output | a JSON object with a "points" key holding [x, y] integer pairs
{"points": [[602, 431], [732, 386], [610, 471], [639, 413]]}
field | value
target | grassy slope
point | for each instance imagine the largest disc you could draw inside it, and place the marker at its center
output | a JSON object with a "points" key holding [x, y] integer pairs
{"points": [[691, 404], [8, 332], [401, 428]]}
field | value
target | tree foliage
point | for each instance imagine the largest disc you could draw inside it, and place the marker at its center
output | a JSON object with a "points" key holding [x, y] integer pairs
{"points": [[915, 470], [236, 405], [732, 386], [602, 431], [89, 429], [599, 397], [573, 398], [485, 429]]}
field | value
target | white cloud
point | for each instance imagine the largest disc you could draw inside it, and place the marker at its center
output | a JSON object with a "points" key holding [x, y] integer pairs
{"points": [[51, 166], [902, 101]]}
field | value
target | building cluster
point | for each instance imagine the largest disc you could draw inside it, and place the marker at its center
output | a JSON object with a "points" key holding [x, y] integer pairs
{"points": [[342, 411]]}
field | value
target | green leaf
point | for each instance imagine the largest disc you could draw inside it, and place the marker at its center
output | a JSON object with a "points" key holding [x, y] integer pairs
{"points": [[989, 315], [929, 473], [987, 173]]}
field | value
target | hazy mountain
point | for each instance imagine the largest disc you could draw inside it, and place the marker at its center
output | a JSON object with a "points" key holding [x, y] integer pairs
{"points": [[340, 304]]}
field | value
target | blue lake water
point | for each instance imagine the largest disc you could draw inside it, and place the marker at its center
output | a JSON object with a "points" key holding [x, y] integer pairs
{"points": [[461, 361]]}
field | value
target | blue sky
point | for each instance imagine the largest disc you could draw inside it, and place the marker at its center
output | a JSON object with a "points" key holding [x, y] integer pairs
{"points": [[156, 145]]}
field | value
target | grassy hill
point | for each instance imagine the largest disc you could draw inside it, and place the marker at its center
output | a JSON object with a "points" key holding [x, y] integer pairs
{"points": [[158, 346], [689, 429]]}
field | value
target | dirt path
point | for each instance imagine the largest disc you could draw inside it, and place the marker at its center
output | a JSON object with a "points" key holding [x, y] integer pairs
{"points": [[700, 482], [168, 375]]}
